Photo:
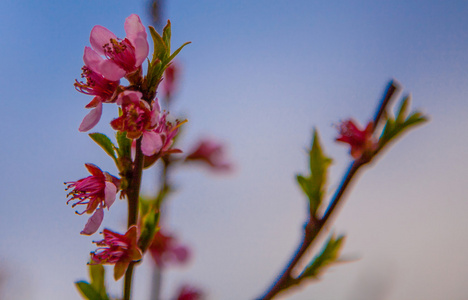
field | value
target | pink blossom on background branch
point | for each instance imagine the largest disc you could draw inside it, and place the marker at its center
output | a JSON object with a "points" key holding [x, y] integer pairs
{"points": [[359, 140], [212, 153], [165, 250]]}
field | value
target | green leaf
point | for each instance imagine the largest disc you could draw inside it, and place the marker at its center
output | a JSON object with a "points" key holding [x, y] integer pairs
{"points": [[124, 143], [314, 185], [150, 218], [394, 127], [167, 36], [161, 51], [97, 275], [328, 256], [173, 55], [88, 291], [403, 110], [319, 163], [105, 143]]}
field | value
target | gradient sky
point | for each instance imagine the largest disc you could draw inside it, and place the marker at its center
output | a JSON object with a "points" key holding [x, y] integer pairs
{"points": [[259, 75]]}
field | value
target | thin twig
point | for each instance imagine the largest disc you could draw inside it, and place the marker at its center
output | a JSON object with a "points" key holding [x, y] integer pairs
{"points": [[314, 228], [133, 195]]}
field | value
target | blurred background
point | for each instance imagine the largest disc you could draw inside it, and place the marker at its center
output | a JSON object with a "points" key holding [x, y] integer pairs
{"points": [[259, 75]]}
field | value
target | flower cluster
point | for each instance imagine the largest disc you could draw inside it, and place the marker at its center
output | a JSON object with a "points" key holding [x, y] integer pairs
{"points": [[106, 63], [122, 58]]}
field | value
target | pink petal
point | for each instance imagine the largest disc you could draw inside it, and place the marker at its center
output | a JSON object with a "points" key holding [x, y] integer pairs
{"points": [[91, 119], [110, 70], [100, 36], [109, 194], [181, 253], [94, 222], [134, 28], [136, 34], [92, 60], [127, 97], [151, 143], [95, 102], [141, 50]]}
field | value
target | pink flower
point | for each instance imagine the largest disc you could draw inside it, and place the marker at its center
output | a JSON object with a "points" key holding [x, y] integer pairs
{"points": [[125, 56], [190, 293], [211, 153], [96, 192], [164, 249], [361, 141], [119, 250], [103, 89], [139, 119], [167, 131]]}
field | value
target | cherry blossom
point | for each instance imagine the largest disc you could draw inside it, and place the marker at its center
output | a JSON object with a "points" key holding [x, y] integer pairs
{"points": [[96, 192], [359, 140], [116, 249]]}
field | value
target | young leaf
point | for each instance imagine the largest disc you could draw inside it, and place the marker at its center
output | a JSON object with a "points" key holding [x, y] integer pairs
{"points": [[88, 291], [160, 49], [328, 256], [97, 275], [173, 55], [403, 110], [167, 36], [314, 185], [105, 143], [124, 143]]}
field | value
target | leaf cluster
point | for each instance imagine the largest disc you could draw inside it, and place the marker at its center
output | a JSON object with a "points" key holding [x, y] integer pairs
{"points": [[162, 57]]}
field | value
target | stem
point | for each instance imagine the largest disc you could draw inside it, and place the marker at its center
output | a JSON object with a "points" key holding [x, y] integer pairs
{"points": [[392, 87], [156, 283], [128, 281], [133, 194], [314, 227]]}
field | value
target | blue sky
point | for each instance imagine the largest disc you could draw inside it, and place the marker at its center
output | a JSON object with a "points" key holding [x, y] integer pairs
{"points": [[258, 75]]}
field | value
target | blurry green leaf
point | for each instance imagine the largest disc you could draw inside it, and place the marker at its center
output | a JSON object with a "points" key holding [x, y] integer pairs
{"points": [[97, 275], [167, 36], [403, 110], [173, 55], [314, 185], [160, 49], [328, 256], [150, 218], [105, 143], [88, 291]]}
